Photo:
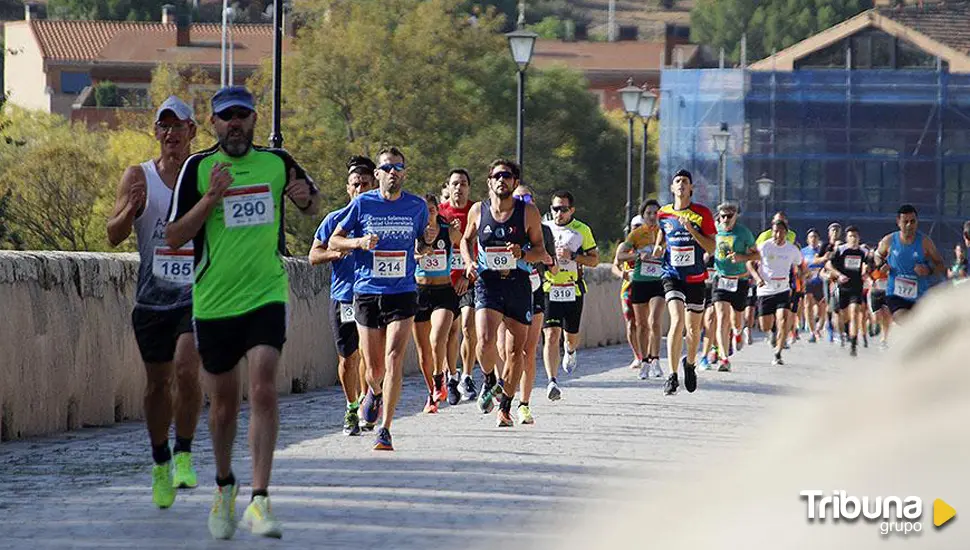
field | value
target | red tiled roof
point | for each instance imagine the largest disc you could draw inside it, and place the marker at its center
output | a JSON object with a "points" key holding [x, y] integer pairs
{"points": [[106, 42], [947, 23], [599, 56]]}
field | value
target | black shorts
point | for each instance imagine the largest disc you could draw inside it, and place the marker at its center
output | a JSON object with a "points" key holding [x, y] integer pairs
{"points": [[708, 295], [769, 305], [816, 289], [467, 299], [850, 296], [223, 342], [895, 303], [433, 298], [157, 331], [692, 294], [738, 298], [877, 300], [796, 298], [641, 292], [344, 333], [565, 315], [380, 310], [511, 296], [538, 302], [752, 296]]}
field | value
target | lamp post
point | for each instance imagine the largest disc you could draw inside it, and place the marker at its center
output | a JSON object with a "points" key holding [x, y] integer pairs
{"points": [[521, 44], [630, 95], [764, 191], [276, 137], [646, 108], [721, 139]]}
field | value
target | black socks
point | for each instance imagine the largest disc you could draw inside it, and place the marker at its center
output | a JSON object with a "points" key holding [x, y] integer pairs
{"points": [[183, 444], [161, 453], [222, 482]]}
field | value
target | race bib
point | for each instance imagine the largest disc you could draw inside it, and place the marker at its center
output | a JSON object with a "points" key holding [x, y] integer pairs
{"points": [[389, 264], [906, 287], [346, 313], [562, 293], [457, 261], [777, 284], [174, 266], [651, 268], [728, 284], [436, 261], [499, 259], [682, 256], [568, 265], [247, 206], [534, 280], [853, 262]]}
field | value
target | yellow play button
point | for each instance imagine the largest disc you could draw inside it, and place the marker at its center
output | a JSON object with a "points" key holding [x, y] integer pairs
{"points": [[942, 512]]}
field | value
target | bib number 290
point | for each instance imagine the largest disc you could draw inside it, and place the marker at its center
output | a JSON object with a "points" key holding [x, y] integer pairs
{"points": [[248, 205]]}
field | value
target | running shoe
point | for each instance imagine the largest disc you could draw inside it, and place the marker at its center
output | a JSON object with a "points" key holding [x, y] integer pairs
{"points": [[504, 419], [658, 371], [351, 420], [777, 361], [440, 392], [486, 401], [748, 339], [454, 396], [163, 488], [738, 341], [811, 338], [370, 410], [467, 388], [553, 392], [184, 477], [222, 516], [671, 385], [853, 349], [569, 361], [704, 364], [259, 519], [725, 366], [645, 370], [690, 376], [525, 415], [431, 407], [383, 441], [636, 363]]}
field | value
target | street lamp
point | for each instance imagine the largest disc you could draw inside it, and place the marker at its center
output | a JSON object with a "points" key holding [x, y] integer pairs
{"points": [[521, 44], [721, 139], [646, 108], [764, 191], [630, 95]]}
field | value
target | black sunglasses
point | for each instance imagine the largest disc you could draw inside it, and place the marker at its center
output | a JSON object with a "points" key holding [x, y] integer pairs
{"points": [[398, 166], [560, 208], [726, 216], [502, 175], [240, 113]]}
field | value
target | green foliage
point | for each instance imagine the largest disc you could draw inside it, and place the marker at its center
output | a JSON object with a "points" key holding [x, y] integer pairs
{"points": [[106, 94], [771, 25], [549, 27]]}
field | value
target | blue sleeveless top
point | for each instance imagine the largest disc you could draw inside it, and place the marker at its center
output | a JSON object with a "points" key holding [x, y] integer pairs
{"points": [[903, 258]]}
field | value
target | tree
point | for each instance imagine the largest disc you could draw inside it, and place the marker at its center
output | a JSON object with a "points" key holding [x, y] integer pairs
{"points": [[770, 25]]}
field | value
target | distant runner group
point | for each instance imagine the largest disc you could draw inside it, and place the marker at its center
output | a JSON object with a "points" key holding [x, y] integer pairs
{"points": [[470, 282]]}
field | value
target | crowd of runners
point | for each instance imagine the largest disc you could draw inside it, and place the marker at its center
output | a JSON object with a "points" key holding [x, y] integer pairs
{"points": [[470, 282]]}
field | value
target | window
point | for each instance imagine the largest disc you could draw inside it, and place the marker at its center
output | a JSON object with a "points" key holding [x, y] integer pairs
{"points": [[74, 82], [956, 189]]}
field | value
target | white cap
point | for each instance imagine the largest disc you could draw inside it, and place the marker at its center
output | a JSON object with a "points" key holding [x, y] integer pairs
{"points": [[637, 220], [179, 108]]}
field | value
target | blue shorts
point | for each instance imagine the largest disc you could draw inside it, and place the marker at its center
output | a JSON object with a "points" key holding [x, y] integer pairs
{"points": [[511, 296]]}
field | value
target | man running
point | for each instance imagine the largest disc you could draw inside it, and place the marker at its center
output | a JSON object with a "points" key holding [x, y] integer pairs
{"points": [[564, 289], [814, 286], [507, 235], [455, 211], [848, 265], [687, 232], [735, 247], [162, 317], [912, 258], [343, 328], [229, 202], [772, 274], [833, 323], [391, 223]]}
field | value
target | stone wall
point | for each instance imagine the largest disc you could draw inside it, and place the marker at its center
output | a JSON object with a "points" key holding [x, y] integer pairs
{"points": [[69, 357]]}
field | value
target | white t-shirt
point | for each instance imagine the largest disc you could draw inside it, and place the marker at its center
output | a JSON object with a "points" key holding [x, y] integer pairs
{"points": [[776, 265]]}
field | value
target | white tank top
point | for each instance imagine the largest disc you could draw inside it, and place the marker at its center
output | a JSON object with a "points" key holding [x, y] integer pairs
{"points": [[165, 275]]}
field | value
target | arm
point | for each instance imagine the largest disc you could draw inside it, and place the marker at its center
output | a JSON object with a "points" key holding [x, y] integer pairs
{"points": [[755, 274], [882, 251], [129, 202], [190, 209], [615, 267], [625, 253], [752, 255], [320, 254], [835, 273], [588, 255], [468, 240], [936, 260], [300, 187]]}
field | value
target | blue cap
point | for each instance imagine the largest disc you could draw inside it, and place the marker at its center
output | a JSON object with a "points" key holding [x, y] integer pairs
{"points": [[232, 96]]}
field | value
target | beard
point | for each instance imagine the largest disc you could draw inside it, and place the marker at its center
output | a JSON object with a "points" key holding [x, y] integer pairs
{"points": [[237, 143], [390, 186], [502, 195]]}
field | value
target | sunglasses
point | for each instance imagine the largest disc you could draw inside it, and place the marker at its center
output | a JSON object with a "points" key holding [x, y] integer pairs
{"points": [[560, 208], [240, 113], [726, 216], [502, 176], [177, 127], [525, 197], [397, 166]]}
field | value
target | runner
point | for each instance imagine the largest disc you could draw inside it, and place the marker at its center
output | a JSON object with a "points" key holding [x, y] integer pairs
{"points": [[343, 328], [815, 311], [624, 270], [391, 223], [958, 270], [564, 289], [229, 202], [877, 301], [833, 322], [848, 265], [499, 227], [437, 307], [646, 288], [455, 211], [772, 274], [162, 316], [687, 232], [912, 258], [735, 247], [790, 236], [708, 350]]}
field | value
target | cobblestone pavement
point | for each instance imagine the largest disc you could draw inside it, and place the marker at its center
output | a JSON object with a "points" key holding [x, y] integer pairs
{"points": [[455, 478]]}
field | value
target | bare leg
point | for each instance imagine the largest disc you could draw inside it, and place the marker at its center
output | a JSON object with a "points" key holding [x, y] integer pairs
{"points": [[469, 343], [441, 321], [694, 321], [531, 349], [158, 401], [224, 400], [422, 341], [395, 346], [550, 351], [675, 335], [724, 325], [264, 421], [655, 326]]}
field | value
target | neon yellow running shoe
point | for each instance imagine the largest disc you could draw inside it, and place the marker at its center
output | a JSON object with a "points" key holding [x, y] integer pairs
{"points": [[222, 517], [259, 518], [163, 494], [184, 477]]}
